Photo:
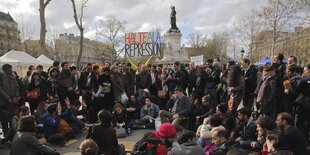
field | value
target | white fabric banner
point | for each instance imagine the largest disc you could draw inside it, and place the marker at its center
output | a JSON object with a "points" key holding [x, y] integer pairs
{"points": [[198, 60]]}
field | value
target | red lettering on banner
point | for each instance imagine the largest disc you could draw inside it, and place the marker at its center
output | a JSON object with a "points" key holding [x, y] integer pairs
{"points": [[133, 38], [127, 38]]}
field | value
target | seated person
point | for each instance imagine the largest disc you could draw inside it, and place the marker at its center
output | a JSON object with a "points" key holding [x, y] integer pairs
{"points": [[179, 107], [20, 113], [133, 107], [89, 147], [204, 131], [186, 145], [220, 138], [76, 124], [204, 109], [228, 121], [41, 109], [51, 121], [120, 117], [245, 132], [103, 134], [148, 113], [25, 141], [276, 144]]}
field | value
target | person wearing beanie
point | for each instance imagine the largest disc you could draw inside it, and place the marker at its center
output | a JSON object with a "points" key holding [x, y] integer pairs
{"points": [[165, 136], [228, 120]]}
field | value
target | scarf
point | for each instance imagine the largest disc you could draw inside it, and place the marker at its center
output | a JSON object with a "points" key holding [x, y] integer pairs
{"points": [[260, 91]]}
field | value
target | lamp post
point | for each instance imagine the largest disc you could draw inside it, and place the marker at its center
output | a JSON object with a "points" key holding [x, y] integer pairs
{"points": [[242, 52]]}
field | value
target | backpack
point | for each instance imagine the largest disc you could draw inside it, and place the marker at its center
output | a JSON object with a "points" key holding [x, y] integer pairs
{"points": [[147, 145], [64, 127]]}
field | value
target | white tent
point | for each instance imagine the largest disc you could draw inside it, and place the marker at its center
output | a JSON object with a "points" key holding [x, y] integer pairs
{"points": [[20, 61], [45, 59]]}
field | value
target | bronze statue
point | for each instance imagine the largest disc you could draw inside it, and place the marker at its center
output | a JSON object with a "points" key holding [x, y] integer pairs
{"points": [[173, 20]]}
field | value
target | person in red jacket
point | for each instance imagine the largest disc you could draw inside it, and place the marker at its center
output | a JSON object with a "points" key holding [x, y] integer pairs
{"points": [[157, 142]]}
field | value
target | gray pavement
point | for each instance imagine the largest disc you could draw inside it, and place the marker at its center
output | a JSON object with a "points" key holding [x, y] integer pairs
{"points": [[73, 148]]}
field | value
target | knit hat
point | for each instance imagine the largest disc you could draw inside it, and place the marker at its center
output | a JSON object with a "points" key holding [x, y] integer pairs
{"points": [[167, 130], [223, 107]]}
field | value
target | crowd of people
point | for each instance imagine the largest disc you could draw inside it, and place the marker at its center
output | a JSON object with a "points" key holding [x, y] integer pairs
{"points": [[215, 109]]}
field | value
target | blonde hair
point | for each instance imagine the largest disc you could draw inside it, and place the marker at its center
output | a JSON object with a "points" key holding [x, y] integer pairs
{"points": [[89, 147]]}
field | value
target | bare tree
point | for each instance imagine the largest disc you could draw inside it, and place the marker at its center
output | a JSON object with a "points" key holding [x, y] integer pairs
{"points": [[51, 42], [43, 4], [196, 40], [248, 28], [277, 16], [79, 24], [111, 30]]}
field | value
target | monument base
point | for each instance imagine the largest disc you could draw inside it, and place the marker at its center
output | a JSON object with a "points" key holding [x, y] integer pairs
{"points": [[173, 51]]}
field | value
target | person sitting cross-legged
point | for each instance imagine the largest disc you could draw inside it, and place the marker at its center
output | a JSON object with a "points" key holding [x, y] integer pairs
{"points": [[179, 107], [148, 113]]}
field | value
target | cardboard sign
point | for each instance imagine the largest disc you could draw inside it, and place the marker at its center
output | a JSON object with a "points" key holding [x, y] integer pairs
{"points": [[142, 44], [198, 60]]}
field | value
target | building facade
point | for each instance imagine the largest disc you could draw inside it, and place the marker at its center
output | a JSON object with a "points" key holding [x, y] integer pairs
{"points": [[295, 43], [9, 34], [67, 46]]}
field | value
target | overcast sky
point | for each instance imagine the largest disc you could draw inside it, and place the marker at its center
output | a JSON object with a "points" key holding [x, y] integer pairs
{"points": [[207, 16]]}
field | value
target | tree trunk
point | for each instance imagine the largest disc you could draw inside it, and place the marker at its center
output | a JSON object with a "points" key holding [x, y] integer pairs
{"points": [[78, 60], [43, 28]]}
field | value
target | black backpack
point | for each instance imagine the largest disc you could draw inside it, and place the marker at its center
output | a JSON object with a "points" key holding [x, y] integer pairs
{"points": [[147, 145]]}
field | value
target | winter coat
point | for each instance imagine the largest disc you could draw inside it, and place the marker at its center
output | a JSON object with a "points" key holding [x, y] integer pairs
{"points": [[50, 123], [143, 80], [224, 148], [117, 86], [26, 143], [188, 148], [179, 79], [183, 107], [8, 88]]}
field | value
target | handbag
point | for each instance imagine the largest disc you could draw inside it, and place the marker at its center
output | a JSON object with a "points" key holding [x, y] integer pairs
{"points": [[120, 132], [124, 98], [162, 94], [33, 94]]}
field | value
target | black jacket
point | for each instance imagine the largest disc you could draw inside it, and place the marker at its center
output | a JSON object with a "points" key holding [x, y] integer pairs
{"points": [[250, 78], [224, 148], [179, 78], [143, 80], [213, 78], [83, 81]]}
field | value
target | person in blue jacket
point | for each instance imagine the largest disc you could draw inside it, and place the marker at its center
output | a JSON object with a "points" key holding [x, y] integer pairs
{"points": [[51, 120]]}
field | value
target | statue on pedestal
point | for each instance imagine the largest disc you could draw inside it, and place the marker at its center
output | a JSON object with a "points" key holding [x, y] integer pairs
{"points": [[173, 20]]}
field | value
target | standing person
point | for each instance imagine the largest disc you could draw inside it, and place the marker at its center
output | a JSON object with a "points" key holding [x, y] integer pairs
{"points": [[117, 84], [163, 85], [178, 78], [302, 95], [291, 80], [22, 88], [66, 83], [103, 134], [143, 79], [212, 79], [235, 87], [155, 81], [87, 85], [25, 141], [127, 79], [52, 85], [200, 82], [250, 78], [265, 92], [38, 83], [105, 82], [26, 78], [192, 77], [42, 73], [9, 96]]}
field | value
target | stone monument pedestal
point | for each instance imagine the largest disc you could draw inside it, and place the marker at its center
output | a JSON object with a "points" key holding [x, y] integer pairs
{"points": [[173, 51]]}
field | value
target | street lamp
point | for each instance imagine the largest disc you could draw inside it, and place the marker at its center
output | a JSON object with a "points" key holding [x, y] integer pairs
{"points": [[242, 52]]}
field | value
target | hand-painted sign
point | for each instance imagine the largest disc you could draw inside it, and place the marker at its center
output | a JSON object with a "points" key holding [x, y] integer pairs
{"points": [[142, 44]]}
